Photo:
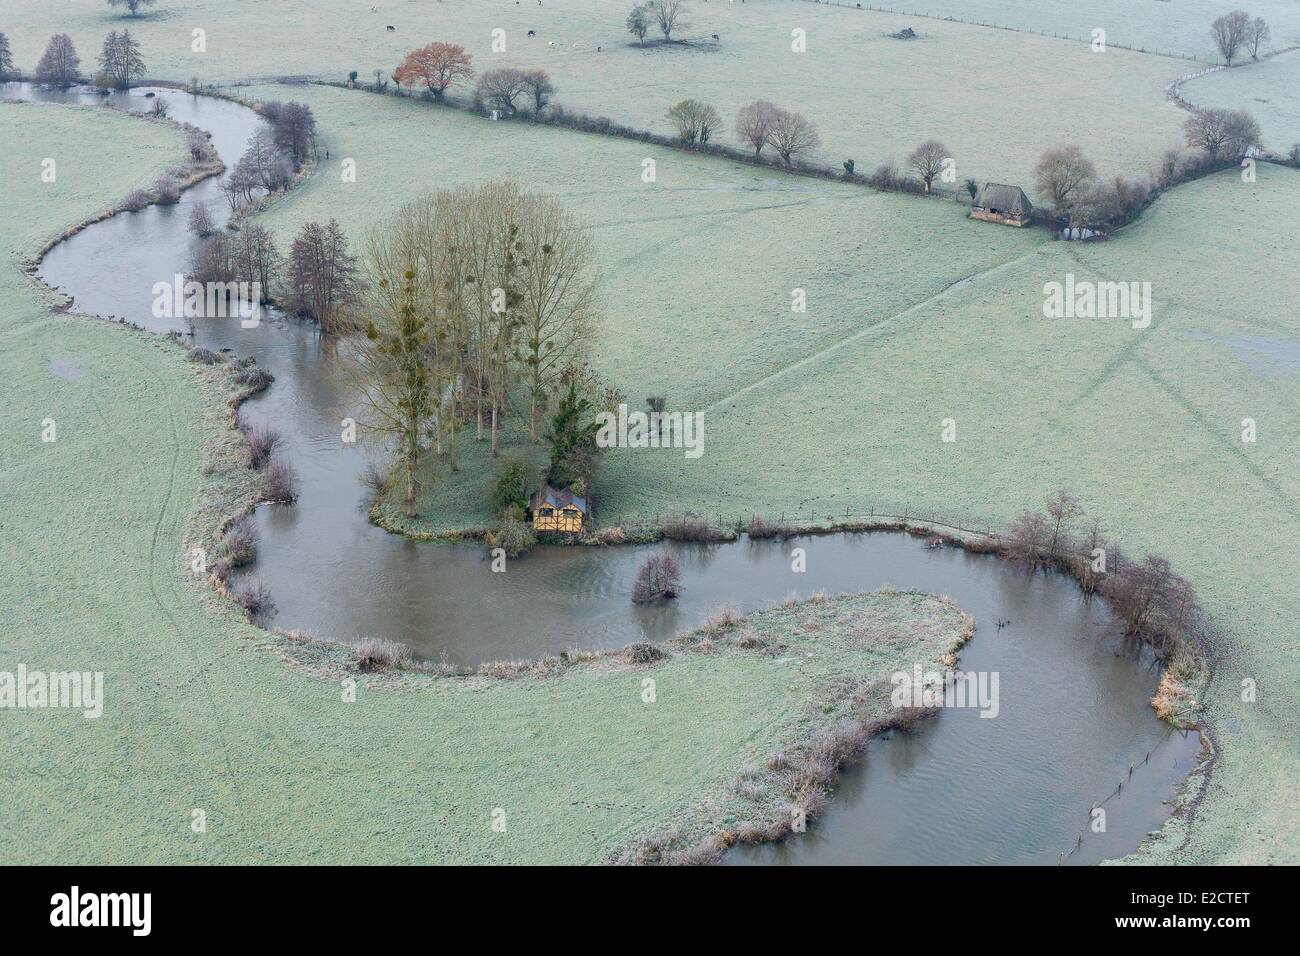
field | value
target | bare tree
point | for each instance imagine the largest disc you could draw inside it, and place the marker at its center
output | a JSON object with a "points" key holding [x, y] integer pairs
{"points": [[59, 64], [201, 222], [1257, 36], [658, 578], [638, 23], [1062, 509], [791, 135], [1065, 176], [670, 15], [294, 129], [392, 358], [1026, 540], [556, 297], [538, 84], [696, 122], [927, 159], [324, 278], [498, 89], [1207, 129], [1242, 133], [1230, 31], [754, 124], [1222, 133], [267, 167], [132, 6], [256, 258], [1151, 599]]}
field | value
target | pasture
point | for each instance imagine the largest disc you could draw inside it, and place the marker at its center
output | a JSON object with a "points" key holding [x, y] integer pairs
{"points": [[916, 316], [995, 98], [1266, 89], [199, 714], [1143, 424]]}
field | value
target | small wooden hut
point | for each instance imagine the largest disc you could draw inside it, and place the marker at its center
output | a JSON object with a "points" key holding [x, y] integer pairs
{"points": [[553, 510]]}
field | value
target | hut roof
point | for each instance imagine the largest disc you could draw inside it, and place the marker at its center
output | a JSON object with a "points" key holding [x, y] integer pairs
{"points": [[1010, 199], [558, 499]]}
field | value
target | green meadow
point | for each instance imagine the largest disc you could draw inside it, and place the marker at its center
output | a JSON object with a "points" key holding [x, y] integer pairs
{"points": [[917, 318]]}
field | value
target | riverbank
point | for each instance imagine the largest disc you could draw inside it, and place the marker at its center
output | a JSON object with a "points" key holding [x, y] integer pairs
{"points": [[200, 712]]}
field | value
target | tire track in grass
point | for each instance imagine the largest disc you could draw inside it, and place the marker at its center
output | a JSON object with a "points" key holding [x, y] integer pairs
{"points": [[873, 328], [166, 508], [1234, 450]]}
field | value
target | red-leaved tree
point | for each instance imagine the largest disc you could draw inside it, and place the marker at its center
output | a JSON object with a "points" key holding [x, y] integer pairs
{"points": [[437, 66]]}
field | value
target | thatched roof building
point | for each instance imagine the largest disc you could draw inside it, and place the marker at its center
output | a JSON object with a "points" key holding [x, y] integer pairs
{"points": [[997, 202]]}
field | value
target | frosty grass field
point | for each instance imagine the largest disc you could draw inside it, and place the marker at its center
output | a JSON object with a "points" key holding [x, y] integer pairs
{"points": [[838, 407], [1267, 89], [873, 97], [199, 715]]}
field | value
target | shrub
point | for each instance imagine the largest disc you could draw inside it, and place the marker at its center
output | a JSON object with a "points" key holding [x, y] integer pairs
{"points": [[376, 653], [513, 537], [760, 527], [1294, 156], [262, 443], [511, 488], [254, 597], [279, 482], [378, 479], [166, 192], [691, 528], [239, 544], [202, 355], [643, 652], [659, 578], [255, 379], [613, 535], [1169, 695], [136, 200]]}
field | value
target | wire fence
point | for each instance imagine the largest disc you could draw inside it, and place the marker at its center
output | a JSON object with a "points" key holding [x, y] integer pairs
{"points": [[853, 4], [726, 520]]}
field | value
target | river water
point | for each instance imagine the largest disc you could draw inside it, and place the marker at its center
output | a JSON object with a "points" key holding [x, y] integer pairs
{"points": [[1015, 789]]}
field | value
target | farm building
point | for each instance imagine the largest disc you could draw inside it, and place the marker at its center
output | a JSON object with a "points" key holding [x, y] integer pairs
{"points": [[998, 203], [554, 510]]}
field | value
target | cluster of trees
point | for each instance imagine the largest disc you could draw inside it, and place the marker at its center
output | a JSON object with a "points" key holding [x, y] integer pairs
{"points": [[477, 298], [694, 121], [59, 64], [273, 156], [1223, 134], [319, 279], [1236, 31], [1069, 179], [1154, 603], [120, 61], [667, 15], [439, 66], [506, 88], [790, 134]]}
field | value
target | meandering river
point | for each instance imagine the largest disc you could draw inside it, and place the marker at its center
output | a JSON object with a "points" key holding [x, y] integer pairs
{"points": [[1073, 709]]}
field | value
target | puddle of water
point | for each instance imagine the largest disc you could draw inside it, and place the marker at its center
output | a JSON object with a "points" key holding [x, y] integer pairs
{"points": [[1014, 789], [65, 367], [1265, 357]]}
